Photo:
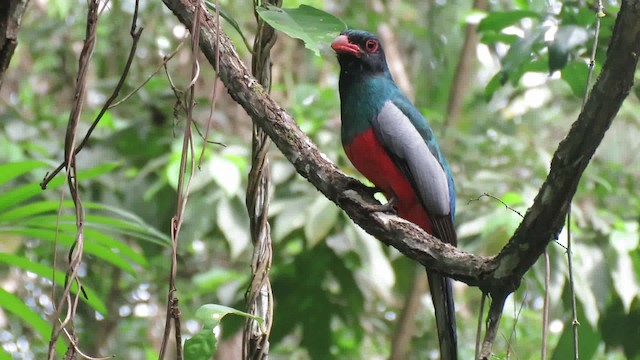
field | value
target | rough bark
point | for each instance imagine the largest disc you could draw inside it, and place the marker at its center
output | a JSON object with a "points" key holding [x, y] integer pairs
{"points": [[10, 16]]}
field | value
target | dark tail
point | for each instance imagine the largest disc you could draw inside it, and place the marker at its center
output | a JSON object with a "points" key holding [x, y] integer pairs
{"points": [[442, 295]]}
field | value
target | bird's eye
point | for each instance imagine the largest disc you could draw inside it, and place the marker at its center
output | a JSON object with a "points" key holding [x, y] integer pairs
{"points": [[371, 45]]}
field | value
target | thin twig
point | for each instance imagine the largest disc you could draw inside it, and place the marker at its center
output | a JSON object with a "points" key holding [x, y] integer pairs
{"points": [[509, 208], [74, 343], [213, 91], [497, 199], [516, 317], [77, 249], [188, 155], [479, 327], [574, 313], [545, 307], [165, 59], [135, 33]]}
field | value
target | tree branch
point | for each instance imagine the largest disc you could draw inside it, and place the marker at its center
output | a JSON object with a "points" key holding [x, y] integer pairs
{"points": [[11, 12], [542, 222]]}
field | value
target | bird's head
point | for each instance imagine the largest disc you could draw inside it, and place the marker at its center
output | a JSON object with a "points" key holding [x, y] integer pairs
{"points": [[359, 50]]}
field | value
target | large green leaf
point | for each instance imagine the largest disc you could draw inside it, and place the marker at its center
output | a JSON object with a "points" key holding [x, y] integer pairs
{"points": [[623, 242], [321, 218], [67, 239], [619, 328], [567, 38], [575, 74], [13, 170], [498, 20], [24, 192], [98, 222], [211, 314], [589, 339], [313, 26], [203, 344], [232, 220], [521, 50], [4, 355], [92, 298]]}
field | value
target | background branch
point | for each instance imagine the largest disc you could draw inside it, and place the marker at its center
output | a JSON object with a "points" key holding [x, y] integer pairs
{"points": [[463, 69]]}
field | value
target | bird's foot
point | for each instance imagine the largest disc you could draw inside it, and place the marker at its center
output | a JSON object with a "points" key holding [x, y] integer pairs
{"points": [[372, 191]]}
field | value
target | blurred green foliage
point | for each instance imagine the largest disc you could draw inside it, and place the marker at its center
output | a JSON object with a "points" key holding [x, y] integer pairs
{"points": [[338, 291]]}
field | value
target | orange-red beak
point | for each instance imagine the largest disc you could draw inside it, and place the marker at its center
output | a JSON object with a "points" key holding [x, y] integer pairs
{"points": [[341, 45]]}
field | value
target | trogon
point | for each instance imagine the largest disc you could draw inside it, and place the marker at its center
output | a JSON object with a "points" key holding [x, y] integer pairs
{"points": [[391, 144]]}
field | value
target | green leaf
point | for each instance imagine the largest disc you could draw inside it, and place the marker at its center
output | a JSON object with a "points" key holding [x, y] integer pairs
{"points": [[212, 279], [521, 50], [621, 266], [313, 26], [67, 239], [493, 37], [567, 38], [575, 74], [321, 218], [494, 84], [211, 314], [44, 271], [224, 172], [135, 222], [512, 198], [619, 328], [232, 220], [201, 346], [588, 335], [288, 215], [498, 20], [13, 170], [14, 305], [225, 15], [4, 355], [96, 222], [24, 192]]}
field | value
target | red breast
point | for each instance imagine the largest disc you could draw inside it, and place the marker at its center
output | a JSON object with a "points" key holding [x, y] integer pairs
{"points": [[369, 157]]}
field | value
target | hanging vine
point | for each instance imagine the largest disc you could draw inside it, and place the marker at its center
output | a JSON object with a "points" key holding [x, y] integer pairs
{"points": [[259, 295]]}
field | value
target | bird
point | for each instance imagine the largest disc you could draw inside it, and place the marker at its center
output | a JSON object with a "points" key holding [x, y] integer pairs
{"points": [[389, 142]]}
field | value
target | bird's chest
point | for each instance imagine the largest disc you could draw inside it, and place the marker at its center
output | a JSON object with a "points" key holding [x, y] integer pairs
{"points": [[370, 158]]}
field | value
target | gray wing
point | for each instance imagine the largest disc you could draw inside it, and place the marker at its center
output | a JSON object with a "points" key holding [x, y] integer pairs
{"points": [[406, 146]]}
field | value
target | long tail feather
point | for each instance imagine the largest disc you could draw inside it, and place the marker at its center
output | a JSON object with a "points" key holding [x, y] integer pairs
{"points": [[442, 295]]}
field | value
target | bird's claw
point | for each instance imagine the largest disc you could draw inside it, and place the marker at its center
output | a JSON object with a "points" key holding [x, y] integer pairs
{"points": [[372, 191]]}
